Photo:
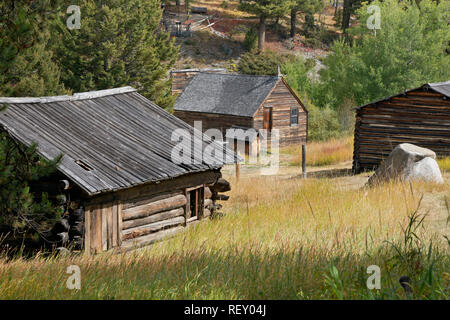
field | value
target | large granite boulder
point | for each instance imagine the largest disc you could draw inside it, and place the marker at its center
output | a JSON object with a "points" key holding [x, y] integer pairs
{"points": [[408, 162]]}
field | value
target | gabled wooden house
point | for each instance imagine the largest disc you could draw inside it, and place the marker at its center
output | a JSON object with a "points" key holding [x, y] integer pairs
{"points": [[224, 101], [120, 177], [419, 116]]}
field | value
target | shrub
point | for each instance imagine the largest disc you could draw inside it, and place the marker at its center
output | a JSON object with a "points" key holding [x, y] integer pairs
{"points": [[323, 123], [251, 40], [261, 62]]}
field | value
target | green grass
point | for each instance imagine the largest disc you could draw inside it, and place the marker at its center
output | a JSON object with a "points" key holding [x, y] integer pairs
{"points": [[298, 239], [444, 164]]}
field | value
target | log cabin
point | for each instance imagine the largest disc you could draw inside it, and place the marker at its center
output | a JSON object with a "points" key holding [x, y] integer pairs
{"points": [[419, 116], [123, 187], [224, 101]]}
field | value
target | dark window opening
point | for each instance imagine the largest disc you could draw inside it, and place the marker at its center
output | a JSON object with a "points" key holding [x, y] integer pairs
{"points": [[294, 116], [195, 203]]}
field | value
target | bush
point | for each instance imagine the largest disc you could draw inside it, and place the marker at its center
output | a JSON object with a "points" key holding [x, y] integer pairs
{"points": [[261, 62], [251, 40], [323, 124]]}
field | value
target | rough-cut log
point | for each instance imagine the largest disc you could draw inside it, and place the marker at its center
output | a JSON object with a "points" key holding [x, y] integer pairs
{"points": [[208, 202], [153, 218], [154, 207], [221, 185], [208, 193], [151, 238], [151, 228], [221, 197], [130, 203]]}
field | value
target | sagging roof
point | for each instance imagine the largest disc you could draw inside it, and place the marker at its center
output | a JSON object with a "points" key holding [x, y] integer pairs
{"points": [[124, 138], [439, 87], [229, 94]]}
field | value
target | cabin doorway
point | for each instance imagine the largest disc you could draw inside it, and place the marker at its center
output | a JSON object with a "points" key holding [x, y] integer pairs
{"points": [[267, 123]]}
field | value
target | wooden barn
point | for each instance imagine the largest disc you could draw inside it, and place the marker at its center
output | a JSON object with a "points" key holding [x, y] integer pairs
{"points": [[123, 187], [223, 101], [419, 116]]}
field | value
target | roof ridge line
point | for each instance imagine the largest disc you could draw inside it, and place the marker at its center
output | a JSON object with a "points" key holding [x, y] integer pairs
{"points": [[74, 97]]}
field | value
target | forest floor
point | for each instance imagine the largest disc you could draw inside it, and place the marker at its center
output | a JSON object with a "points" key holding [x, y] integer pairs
{"points": [[207, 49]]}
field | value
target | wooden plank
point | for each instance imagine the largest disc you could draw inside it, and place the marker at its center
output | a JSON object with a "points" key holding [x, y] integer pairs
{"points": [[87, 230], [115, 220], [154, 207], [151, 238], [151, 228], [153, 218], [104, 230], [119, 223], [110, 227]]}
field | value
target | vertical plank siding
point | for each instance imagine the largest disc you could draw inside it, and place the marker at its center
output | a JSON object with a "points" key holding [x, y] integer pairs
{"points": [[418, 117], [281, 100]]}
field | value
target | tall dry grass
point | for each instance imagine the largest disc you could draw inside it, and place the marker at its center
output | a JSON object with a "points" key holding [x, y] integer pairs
{"points": [[279, 239], [322, 153]]}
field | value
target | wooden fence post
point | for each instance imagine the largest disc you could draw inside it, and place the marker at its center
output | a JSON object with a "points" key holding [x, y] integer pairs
{"points": [[304, 160]]}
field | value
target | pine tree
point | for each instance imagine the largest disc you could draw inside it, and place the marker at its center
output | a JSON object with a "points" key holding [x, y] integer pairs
{"points": [[120, 43], [265, 9], [26, 66], [24, 218], [308, 7]]}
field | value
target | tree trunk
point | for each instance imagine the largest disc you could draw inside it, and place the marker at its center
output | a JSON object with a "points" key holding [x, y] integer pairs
{"points": [[262, 32], [346, 14], [293, 22]]}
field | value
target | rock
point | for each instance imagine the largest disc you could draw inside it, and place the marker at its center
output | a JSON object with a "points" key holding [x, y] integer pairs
{"points": [[426, 169], [408, 162]]}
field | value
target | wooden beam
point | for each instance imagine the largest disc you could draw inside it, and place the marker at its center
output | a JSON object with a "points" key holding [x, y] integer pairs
{"points": [[304, 160]]}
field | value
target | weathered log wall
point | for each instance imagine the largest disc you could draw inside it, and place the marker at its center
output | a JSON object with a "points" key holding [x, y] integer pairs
{"points": [[419, 117], [140, 216]]}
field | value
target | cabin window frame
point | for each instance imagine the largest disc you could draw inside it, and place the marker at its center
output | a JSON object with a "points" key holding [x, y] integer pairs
{"points": [[195, 197], [293, 116]]}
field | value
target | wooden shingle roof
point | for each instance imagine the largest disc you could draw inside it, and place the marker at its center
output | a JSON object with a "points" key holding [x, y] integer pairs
{"points": [[123, 137], [229, 94]]}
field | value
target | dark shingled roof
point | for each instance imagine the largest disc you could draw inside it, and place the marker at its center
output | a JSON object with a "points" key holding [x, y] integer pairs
{"points": [[121, 135], [439, 87], [230, 94]]}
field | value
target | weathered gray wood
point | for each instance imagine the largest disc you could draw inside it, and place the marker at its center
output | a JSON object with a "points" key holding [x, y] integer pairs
{"points": [[150, 228], [154, 207], [304, 160], [153, 218], [208, 193], [151, 238], [208, 202]]}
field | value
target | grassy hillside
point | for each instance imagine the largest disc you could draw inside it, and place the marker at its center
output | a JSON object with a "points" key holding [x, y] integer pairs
{"points": [[280, 239]]}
